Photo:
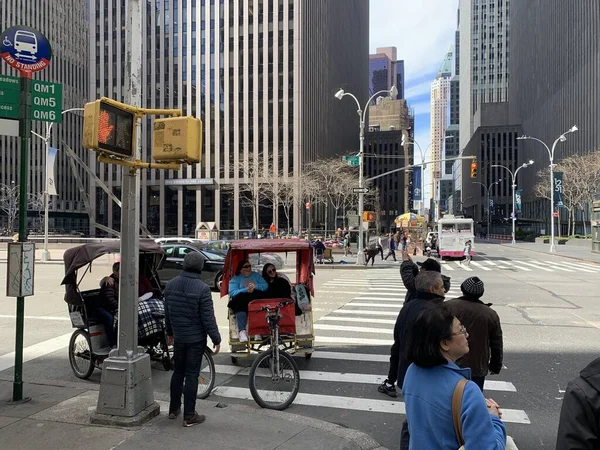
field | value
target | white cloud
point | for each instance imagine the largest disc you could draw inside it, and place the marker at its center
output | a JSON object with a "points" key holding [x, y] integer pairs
{"points": [[418, 90], [420, 107], [422, 31]]}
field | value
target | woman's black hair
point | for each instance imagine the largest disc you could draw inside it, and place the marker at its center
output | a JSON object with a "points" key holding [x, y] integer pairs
{"points": [[241, 264], [432, 326], [265, 275]]}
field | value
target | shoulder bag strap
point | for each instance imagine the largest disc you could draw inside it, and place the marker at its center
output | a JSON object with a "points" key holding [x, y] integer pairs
{"points": [[456, 407]]}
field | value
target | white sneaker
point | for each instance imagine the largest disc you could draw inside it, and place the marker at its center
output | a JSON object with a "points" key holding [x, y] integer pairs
{"points": [[243, 336]]}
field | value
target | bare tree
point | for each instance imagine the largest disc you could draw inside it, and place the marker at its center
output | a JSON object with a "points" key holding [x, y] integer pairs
{"points": [[36, 202], [284, 193], [9, 201]]}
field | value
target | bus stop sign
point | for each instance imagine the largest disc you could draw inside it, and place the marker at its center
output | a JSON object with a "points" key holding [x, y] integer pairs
{"points": [[25, 49]]}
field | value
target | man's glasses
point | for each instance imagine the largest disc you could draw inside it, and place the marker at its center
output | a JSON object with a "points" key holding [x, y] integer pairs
{"points": [[463, 330]]}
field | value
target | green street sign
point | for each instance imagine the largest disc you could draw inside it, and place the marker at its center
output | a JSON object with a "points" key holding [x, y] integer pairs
{"points": [[9, 97], [46, 101], [353, 161]]}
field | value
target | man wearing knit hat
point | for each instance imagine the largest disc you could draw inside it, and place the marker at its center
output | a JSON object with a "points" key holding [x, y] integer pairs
{"points": [[485, 333], [190, 318]]}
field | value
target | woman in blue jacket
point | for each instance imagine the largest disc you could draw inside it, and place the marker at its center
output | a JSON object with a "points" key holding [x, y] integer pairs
{"points": [[435, 342], [244, 287]]}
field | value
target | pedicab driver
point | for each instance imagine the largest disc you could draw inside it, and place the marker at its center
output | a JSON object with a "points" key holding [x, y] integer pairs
{"points": [[189, 317]]}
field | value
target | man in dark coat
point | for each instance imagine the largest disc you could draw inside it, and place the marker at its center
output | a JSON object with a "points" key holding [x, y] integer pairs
{"points": [[408, 272], [189, 317], [485, 332], [579, 425], [109, 303]]}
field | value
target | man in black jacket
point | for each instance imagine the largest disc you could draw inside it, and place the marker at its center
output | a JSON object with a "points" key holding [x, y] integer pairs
{"points": [[109, 303], [189, 317], [408, 272], [579, 425]]}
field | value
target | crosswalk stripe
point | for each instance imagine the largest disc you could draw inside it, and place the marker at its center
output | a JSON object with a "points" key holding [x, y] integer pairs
{"points": [[356, 404], [464, 267], [355, 319], [536, 266], [377, 305], [366, 313], [481, 266], [353, 340], [512, 263], [325, 327], [381, 299], [487, 261], [365, 357], [579, 267], [556, 266], [447, 266], [591, 266]]}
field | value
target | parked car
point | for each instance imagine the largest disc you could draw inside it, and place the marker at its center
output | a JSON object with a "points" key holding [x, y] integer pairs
{"points": [[212, 274], [172, 240], [258, 260]]}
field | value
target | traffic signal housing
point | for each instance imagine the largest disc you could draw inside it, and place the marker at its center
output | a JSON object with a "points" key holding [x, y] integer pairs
{"points": [[109, 128], [474, 169], [368, 216], [177, 139]]}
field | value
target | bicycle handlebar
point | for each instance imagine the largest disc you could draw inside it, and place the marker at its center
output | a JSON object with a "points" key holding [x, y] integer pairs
{"points": [[279, 306]]}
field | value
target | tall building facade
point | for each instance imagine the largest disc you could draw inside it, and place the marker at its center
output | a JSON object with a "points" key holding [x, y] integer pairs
{"points": [[65, 26], [453, 170], [554, 85], [439, 109], [261, 74], [385, 71]]}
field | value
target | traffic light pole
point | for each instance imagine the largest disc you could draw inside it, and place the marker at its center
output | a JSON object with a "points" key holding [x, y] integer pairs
{"points": [[126, 392], [423, 164]]}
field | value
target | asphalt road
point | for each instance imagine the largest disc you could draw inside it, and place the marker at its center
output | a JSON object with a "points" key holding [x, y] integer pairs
{"points": [[547, 304]]}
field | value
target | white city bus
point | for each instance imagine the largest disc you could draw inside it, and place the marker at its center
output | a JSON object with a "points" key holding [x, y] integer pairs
{"points": [[453, 233]]}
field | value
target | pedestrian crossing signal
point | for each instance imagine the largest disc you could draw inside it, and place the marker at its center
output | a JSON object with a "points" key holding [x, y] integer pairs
{"points": [[108, 127], [473, 169], [368, 216]]}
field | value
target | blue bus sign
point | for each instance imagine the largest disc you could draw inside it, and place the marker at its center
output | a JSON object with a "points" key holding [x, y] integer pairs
{"points": [[25, 49]]}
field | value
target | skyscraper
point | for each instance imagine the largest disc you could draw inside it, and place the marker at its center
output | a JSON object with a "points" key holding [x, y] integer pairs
{"points": [[385, 71], [262, 76], [64, 25], [439, 109]]}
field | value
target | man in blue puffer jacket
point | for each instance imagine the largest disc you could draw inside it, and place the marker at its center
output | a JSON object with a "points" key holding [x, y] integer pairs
{"points": [[190, 318]]}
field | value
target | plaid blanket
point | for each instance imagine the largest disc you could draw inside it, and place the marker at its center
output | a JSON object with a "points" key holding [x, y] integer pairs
{"points": [[147, 323]]}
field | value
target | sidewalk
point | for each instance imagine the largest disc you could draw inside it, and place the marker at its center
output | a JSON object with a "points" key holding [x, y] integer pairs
{"points": [[573, 252], [57, 417]]}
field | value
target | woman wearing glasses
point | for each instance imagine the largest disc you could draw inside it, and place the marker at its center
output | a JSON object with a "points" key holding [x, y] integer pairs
{"points": [[436, 341], [244, 287], [278, 285]]}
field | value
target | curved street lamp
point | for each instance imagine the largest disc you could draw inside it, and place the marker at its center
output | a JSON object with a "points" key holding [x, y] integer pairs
{"points": [[561, 138], [360, 256], [514, 186]]}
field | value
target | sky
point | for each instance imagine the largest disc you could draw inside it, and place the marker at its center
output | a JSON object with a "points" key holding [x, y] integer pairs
{"points": [[422, 31]]}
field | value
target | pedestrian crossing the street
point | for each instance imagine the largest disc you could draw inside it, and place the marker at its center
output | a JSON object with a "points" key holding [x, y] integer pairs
{"points": [[352, 345]]}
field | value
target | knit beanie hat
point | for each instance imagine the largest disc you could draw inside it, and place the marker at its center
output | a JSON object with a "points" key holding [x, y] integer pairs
{"points": [[472, 287], [193, 262]]}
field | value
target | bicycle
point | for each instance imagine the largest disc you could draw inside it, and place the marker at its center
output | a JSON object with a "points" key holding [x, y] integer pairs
{"points": [[276, 367]]}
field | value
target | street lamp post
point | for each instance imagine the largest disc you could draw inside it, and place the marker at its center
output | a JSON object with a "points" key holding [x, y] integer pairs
{"points": [[561, 138], [46, 139], [514, 187], [487, 196], [360, 256]]}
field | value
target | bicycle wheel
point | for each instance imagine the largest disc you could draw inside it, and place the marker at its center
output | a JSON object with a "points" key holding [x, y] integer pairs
{"points": [[80, 354], [207, 378], [274, 387]]}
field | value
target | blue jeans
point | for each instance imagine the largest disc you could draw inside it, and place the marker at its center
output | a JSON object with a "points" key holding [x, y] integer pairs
{"points": [[188, 361], [108, 320], [241, 317]]}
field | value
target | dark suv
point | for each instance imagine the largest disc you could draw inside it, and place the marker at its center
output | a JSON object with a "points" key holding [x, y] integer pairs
{"points": [[214, 260]]}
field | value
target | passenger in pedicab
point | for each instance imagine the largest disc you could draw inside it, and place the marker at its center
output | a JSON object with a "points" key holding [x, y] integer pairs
{"points": [[279, 286], [107, 308], [244, 287]]}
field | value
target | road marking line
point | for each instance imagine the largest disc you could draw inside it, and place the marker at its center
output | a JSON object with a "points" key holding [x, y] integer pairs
{"points": [[481, 266], [36, 351], [580, 267], [512, 263], [363, 312], [354, 403], [382, 299], [487, 261], [554, 266], [447, 266], [325, 327], [368, 357], [463, 266], [537, 266], [60, 319], [352, 341], [589, 266], [356, 319], [377, 305]]}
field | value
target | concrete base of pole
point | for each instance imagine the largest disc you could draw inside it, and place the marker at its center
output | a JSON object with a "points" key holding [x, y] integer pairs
{"points": [[45, 255], [142, 417], [125, 389], [360, 258]]}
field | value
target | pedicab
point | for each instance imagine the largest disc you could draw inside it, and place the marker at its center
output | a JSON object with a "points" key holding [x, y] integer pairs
{"points": [[275, 327], [89, 346]]}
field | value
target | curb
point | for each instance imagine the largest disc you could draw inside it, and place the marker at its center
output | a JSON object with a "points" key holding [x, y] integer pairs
{"points": [[553, 254], [361, 439]]}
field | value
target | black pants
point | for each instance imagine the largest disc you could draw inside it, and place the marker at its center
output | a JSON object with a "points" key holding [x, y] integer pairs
{"points": [[380, 249], [392, 253], [394, 361], [478, 381], [188, 361], [370, 257]]}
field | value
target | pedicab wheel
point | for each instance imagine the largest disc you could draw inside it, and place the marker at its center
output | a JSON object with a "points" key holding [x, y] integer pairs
{"points": [[274, 387], [207, 378], [80, 354]]}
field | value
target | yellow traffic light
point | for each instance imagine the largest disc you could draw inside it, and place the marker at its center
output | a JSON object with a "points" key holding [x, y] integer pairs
{"points": [[109, 128], [177, 139], [473, 169]]}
